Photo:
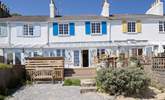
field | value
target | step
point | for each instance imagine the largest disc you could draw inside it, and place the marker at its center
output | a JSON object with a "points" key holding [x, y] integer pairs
{"points": [[88, 82], [88, 89]]}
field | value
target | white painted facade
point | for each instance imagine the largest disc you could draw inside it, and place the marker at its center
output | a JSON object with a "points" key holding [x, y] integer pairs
{"points": [[150, 31], [81, 48], [17, 39], [80, 35]]}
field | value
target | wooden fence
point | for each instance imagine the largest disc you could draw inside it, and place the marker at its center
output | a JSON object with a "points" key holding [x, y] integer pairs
{"points": [[45, 68], [158, 63], [158, 70]]}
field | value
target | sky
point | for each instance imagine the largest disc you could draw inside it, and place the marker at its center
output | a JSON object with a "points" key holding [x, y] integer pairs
{"points": [[78, 7]]}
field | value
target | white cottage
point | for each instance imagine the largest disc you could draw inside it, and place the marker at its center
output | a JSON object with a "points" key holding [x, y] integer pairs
{"points": [[82, 39]]}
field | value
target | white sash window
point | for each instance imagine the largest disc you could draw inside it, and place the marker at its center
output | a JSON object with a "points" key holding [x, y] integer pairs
{"points": [[162, 26], [131, 27], [96, 28], [3, 29], [28, 30]]}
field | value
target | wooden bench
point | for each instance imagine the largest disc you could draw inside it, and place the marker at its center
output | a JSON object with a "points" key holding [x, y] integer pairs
{"points": [[45, 68]]}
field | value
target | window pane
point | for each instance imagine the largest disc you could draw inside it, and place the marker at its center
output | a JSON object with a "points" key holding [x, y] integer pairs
{"points": [[9, 58], [36, 54], [140, 52], [65, 28], [63, 53], [134, 52], [52, 54], [76, 58], [161, 26], [3, 29], [131, 27], [58, 53], [18, 58], [60, 28], [30, 30], [96, 27], [102, 51], [25, 30]]}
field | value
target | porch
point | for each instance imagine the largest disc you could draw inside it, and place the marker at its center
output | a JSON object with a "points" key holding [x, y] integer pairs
{"points": [[77, 57]]}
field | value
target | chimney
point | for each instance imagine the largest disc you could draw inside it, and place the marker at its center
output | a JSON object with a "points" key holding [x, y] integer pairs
{"points": [[105, 9], [156, 8], [52, 9]]}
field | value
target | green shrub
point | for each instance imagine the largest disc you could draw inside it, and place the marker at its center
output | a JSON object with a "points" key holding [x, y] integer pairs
{"points": [[71, 82], [4, 66], [126, 81], [2, 97]]}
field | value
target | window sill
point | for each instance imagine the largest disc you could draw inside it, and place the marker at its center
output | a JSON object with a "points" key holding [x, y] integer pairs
{"points": [[96, 34], [161, 32], [29, 36], [64, 35], [132, 33]]}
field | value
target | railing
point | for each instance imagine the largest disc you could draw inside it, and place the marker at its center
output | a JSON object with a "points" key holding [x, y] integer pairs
{"points": [[41, 68]]}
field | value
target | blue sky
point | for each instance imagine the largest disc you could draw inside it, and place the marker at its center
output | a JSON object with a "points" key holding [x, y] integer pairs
{"points": [[78, 7]]}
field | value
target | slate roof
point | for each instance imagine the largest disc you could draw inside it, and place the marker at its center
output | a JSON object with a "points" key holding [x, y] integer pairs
{"points": [[58, 18]]}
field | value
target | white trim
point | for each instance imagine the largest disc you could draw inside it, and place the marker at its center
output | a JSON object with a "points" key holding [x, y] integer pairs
{"points": [[96, 34]]}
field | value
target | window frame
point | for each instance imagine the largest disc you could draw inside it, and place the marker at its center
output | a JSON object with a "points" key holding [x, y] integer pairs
{"points": [[137, 52], [2, 26], [162, 25], [76, 57], [96, 30], [60, 53], [131, 26], [63, 29], [100, 52], [28, 34]]}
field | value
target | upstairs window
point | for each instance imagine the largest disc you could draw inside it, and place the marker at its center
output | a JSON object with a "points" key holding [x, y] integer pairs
{"points": [[3, 29], [63, 29], [96, 28], [131, 27], [28, 30], [162, 26]]}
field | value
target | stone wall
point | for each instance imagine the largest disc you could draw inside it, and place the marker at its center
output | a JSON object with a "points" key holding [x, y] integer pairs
{"points": [[10, 78]]}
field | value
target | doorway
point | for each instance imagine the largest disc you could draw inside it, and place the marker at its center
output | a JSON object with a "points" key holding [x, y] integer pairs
{"points": [[85, 55]]}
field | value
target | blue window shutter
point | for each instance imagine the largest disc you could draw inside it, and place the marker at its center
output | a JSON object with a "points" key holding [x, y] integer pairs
{"points": [[72, 29], [104, 28], [87, 28], [55, 29]]}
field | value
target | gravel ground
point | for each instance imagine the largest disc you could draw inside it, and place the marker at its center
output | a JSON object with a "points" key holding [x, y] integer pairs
{"points": [[54, 92]]}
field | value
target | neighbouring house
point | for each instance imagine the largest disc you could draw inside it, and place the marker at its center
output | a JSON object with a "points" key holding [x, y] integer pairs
{"points": [[81, 40]]}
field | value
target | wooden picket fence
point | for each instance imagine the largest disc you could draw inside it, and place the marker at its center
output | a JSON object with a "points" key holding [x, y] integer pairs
{"points": [[45, 68]]}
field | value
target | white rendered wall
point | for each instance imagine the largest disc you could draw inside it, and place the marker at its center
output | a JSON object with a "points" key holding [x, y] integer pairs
{"points": [[80, 35], [150, 32], [17, 40]]}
